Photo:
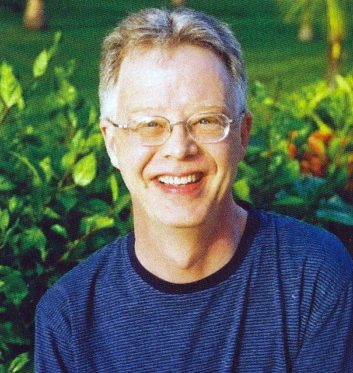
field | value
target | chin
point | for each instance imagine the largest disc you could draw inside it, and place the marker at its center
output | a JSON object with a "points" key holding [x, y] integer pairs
{"points": [[182, 220]]}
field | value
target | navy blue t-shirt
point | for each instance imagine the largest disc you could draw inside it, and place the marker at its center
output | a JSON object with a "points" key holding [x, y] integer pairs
{"points": [[284, 303]]}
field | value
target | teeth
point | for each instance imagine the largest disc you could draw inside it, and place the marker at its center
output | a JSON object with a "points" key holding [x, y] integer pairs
{"points": [[174, 180]]}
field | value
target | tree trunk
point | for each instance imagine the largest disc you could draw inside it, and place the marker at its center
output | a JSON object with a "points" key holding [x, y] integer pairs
{"points": [[34, 17], [333, 60], [335, 38]]}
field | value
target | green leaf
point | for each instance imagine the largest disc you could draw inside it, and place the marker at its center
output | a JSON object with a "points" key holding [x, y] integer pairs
{"points": [[94, 206], [19, 362], [36, 178], [309, 187], [10, 89], [289, 201], [114, 187], [94, 141], [335, 216], [336, 210], [9, 333], [14, 203], [123, 202], [5, 184], [287, 173], [241, 189], [93, 115], [4, 219], [67, 93], [13, 286], [45, 165], [34, 238], [72, 116], [68, 160], [52, 50], [67, 199], [85, 170], [50, 213], [95, 222], [59, 229], [40, 64], [57, 37]]}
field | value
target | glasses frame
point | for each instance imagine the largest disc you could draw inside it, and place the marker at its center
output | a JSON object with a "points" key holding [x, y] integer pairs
{"points": [[229, 122]]}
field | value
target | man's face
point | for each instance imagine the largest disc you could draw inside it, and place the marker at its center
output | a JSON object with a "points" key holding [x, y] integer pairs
{"points": [[181, 183]]}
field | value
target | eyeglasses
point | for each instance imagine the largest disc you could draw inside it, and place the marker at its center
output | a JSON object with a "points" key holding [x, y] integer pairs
{"points": [[204, 128]]}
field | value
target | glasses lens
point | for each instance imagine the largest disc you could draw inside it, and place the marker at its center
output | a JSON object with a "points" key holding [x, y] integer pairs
{"points": [[208, 128], [152, 130]]}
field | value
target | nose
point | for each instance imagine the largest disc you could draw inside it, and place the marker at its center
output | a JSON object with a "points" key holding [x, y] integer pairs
{"points": [[179, 145]]}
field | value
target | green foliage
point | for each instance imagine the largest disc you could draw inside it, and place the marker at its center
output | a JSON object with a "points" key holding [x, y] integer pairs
{"points": [[60, 199], [300, 159]]}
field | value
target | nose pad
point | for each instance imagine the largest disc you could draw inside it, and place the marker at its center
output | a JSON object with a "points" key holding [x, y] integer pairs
{"points": [[179, 144]]}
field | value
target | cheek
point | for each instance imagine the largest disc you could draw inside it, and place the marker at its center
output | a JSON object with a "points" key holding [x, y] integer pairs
{"points": [[228, 157], [133, 160], [237, 150]]}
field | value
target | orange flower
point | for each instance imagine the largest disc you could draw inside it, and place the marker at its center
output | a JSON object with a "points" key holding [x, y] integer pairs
{"points": [[292, 150]]}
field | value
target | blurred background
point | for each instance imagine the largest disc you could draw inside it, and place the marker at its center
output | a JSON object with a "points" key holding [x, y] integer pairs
{"points": [[282, 40]]}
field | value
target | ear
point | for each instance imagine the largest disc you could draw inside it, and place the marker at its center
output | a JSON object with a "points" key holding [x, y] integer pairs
{"points": [[245, 129], [110, 142]]}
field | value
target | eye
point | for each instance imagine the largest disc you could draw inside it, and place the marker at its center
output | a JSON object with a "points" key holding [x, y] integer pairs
{"points": [[149, 124], [152, 124], [207, 121], [151, 127]]}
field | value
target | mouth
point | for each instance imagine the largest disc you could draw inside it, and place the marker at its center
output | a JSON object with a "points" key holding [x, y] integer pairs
{"points": [[179, 180]]}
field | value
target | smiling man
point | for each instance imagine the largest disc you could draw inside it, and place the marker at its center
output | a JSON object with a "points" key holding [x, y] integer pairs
{"points": [[204, 283]]}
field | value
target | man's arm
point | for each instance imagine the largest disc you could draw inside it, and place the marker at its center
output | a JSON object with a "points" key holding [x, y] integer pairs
{"points": [[328, 342], [53, 351]]}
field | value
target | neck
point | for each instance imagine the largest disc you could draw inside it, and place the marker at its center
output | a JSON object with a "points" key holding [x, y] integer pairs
{"points": [[183, 255]]}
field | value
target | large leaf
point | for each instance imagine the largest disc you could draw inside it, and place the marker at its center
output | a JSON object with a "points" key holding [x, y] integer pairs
{"points": [[40, 64], [19, 362], [10, 89], [85, 170]]}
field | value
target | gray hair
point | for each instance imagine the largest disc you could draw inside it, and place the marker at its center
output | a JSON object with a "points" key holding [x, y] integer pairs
{"points": [[168, 28]]}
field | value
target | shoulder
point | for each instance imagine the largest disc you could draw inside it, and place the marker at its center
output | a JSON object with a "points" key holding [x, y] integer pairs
{"points": [[91, 273], [309, 251]]}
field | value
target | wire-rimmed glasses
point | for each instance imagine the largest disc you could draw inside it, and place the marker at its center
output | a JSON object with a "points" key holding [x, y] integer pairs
{"points": [[206, 128]]}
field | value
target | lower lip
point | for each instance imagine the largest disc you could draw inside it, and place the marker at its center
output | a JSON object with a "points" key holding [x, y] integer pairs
{"points": [[184, 189]]}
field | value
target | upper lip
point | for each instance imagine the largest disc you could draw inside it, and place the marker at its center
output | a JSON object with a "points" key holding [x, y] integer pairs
{"points": [[179, 174]]}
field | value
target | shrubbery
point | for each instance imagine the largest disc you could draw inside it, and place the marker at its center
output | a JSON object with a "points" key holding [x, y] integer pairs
{"points": [[60, 199]]}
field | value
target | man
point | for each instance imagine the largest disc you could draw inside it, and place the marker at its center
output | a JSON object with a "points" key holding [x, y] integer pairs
{"points": [[204, 284]]}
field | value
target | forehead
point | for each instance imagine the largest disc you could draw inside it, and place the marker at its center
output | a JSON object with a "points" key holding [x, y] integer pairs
{"points": [[184, 75]]}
